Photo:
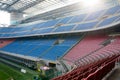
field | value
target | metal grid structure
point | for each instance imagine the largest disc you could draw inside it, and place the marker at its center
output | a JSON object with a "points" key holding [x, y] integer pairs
{"points": [[37, 7], [30, 6], [17, 5]]}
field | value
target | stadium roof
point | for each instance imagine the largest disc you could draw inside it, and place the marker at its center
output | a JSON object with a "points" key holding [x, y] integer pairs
{"points": [[17, 5], [31, 6], [35, 8]]}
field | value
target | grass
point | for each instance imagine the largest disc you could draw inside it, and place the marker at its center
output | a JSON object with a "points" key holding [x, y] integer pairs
{"points": [[7, 72], [4, 76]]}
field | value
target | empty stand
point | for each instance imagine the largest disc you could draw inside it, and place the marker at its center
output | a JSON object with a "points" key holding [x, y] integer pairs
{"points": [[85, 26], [95, 15], [42, 47], [93, 71], [5, 42], [109, 50], [75, 23], [112, 10], [85, 46], [65, 20], [96, 65], [64, 28], [50, 23], [107, 21], [78, 18]]}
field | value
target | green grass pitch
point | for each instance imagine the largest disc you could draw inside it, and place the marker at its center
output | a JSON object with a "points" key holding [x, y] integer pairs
{"points": [[7, 73]]}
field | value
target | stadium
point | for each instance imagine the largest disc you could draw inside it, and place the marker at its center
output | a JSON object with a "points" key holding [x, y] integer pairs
{"points": [[60, 40]]}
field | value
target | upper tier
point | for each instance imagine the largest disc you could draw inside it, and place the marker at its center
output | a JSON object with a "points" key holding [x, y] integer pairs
{"points": [[94, 20]]}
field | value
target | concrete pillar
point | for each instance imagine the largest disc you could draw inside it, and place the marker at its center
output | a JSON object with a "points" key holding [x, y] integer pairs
{"points": [[15, 17]]}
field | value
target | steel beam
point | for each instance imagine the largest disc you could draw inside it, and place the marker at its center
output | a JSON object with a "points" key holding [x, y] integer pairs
{"points": [[30, 5]]}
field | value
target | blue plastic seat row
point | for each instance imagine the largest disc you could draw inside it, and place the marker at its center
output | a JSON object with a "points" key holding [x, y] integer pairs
{"points": [[107, 21], [85, 26], [112, 10], [68, 24], [45, 48], [55, 52]]}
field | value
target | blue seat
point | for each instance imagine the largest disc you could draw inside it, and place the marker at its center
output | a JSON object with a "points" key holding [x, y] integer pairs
{"points": [[38, 51], [107, 21], [118, 19], [118, 12], [43, 31], [25, 28], [5, 30], [69, 41], [44, 48], [19, 34], [85, 26], [78, 18], [6, 35], [66, 24], [112, 10], [39, 25], [94, 15], [49, 23], [26, 49], [55, 53], [11, 48], [64, 28], [32, 32], [65, 20], [1, 34]]}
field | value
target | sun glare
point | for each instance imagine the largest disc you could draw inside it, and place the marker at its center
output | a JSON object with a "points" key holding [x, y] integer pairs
{"points": [[4, 18], [90, 3]]}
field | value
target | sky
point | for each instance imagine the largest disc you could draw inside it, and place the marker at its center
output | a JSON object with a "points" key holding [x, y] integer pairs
{"points": [[4, 17]]}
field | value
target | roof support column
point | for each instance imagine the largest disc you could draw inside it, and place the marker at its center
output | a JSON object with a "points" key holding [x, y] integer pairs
{"points": [[15, 18]]}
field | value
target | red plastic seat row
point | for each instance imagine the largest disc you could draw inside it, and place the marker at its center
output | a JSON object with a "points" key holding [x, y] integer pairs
{"points": [[112, 49], [100, 73], [4, 42], [89, 44]]}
